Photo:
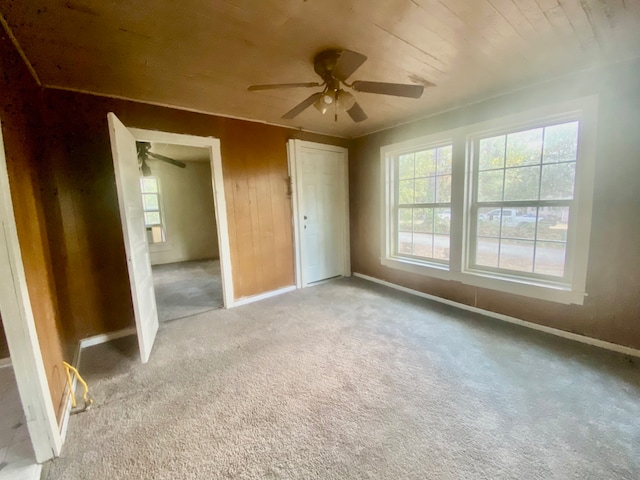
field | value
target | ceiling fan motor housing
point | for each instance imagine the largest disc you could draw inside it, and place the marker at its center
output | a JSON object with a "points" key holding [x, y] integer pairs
{"points": [[324, 63]]}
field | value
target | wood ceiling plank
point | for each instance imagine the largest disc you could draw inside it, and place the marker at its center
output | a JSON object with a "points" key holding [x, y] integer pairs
{"points": [[202, 55]]}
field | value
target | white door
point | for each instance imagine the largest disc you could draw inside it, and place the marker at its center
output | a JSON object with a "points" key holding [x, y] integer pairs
{"points": [[322, 211], [125, 162]]}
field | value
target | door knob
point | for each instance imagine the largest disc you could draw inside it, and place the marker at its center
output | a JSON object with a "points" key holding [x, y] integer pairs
{"points": [[305, 217]]}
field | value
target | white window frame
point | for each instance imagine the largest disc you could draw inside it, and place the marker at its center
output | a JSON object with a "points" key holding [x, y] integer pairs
{"points": [[390, 154], [569, 291]]}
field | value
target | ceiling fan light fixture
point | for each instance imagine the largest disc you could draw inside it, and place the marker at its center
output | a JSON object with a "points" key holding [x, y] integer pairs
{"points": [[345, 100], [324, 102]]}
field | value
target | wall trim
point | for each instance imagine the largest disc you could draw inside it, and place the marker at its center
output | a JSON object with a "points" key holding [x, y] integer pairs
{"points": [[5, 362], [506, 318], [82, 344], [103, 338], [263, 296]]}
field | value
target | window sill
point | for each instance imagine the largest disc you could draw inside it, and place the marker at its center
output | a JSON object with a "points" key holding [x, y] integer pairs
{"points": [[557, 293], [160, 247], [435, 270]]}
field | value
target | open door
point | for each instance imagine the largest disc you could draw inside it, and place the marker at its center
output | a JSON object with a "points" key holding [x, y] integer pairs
{"points": [[125, 162]]}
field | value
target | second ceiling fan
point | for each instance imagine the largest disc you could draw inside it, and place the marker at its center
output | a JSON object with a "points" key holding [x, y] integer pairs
{"points": [[335, 67]]}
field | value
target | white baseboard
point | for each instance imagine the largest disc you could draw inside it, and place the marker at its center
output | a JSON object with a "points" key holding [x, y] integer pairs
{"points": [[506, 318], [262, 296], [82, 344], [106, 337], [5, 362]]}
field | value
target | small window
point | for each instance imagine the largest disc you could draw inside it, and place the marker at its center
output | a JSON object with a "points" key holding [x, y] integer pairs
{"points": [[152, 213], [421, 202]]}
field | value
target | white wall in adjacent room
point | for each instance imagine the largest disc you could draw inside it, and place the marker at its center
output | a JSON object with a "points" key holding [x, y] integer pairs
{"points": [[186, 198]]}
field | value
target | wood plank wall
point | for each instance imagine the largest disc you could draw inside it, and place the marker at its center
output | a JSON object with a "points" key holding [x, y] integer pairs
{"points": [[611, 309], [4, 348], [21, 128], [82, 208]]}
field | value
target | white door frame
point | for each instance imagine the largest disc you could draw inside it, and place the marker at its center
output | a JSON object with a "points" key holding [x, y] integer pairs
{"points": [[294, 148], [219, 200], [20, 330]]}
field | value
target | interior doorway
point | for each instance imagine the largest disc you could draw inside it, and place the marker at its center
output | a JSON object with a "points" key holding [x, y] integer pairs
{"points": [[128, 167], [180, 219]]}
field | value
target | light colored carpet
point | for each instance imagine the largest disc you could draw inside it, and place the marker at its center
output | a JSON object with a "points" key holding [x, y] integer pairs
{"points": [[187, 288], [349, 380]]}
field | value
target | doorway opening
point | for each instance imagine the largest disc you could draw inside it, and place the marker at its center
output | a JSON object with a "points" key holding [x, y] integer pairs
{"points": [[129, 163], [180, 221]]}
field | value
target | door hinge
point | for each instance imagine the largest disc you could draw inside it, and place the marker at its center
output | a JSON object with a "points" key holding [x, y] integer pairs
{"points": [[289, 186]]}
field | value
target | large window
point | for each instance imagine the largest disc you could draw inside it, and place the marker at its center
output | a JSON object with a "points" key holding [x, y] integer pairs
{"points": [[504, 205], [152, 214], [522, 200], [423, 202]]}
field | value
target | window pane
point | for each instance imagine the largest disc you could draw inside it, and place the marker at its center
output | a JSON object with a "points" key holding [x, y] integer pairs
{"points": [[521, 183], [441, 245], [405, 227], [405, 192], [444, 159], [423, 245], [553, 223], [425, 163], [425, 190], [487, 252], [519, 223], [524, 148], [561, 142], [423, 220], [489, 222], [150, 201], [148, 185], [516, 255], [443, 188], [152, 218], [442, 220], [490, 186], [550, 257], [405, 166], [491, 153], [557, 181]]}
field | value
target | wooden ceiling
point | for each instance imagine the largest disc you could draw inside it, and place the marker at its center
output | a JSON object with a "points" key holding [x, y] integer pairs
{"points": [[202, 54]]}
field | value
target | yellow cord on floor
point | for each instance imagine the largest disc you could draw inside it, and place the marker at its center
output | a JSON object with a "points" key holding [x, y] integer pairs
{"points": [[88, 400]]}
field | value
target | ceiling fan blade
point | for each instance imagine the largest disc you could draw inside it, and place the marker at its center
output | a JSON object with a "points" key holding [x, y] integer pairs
{"points": [[144, 169], [357, 113], [167, 159], [298, 109], [284, 85], [348, 63], [396, 89]]}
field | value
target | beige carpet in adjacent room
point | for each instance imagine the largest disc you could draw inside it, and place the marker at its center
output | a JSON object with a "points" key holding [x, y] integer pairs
{"points": [[349, 380]]}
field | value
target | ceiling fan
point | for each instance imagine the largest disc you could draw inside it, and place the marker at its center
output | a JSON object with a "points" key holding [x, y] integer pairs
{"points": [[144, 154], [335, 67]]}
